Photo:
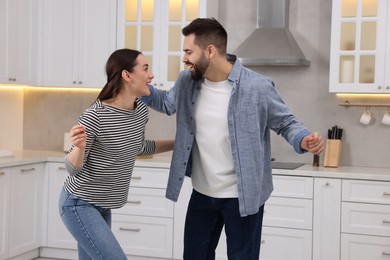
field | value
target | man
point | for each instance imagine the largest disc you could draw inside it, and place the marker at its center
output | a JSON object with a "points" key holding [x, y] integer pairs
{"points": [[224, 114]]}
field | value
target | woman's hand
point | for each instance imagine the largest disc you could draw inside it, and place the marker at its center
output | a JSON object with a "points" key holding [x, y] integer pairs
{"points": [[78, 136]]}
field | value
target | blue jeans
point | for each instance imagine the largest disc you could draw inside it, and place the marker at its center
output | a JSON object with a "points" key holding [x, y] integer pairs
{"points": [[91, 227], [205, 219]]}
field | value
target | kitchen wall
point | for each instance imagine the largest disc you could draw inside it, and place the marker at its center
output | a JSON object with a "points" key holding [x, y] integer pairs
{"points": [[11, 118], [48, 114]]}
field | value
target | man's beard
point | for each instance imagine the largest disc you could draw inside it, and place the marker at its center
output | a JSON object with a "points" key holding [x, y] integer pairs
{"points": [[200, 68]]}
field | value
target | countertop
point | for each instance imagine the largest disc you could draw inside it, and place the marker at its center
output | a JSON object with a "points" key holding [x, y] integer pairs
{"points": [[21, 157]]}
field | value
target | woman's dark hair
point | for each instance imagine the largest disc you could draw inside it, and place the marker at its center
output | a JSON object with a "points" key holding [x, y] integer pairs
{"points": [[207, 31], [119, 60]]}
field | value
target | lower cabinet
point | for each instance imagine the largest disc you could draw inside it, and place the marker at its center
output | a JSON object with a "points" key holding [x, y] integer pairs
{"points": [[57, 234], [365, 220], [5, 185], [144, 226], [288, 220], [306, 218], [21, 198]]}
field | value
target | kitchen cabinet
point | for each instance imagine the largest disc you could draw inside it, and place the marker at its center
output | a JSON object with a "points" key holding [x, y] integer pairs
{"points": [[144, 226], [25, 208], [5, 184], [154, 27], [21, 209], [19, 20], [359, 60], [365, 220], [58, 235], [288, 219], [326, 215], [78, 38]]}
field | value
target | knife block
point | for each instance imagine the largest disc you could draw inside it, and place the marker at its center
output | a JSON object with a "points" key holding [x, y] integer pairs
{"points": [[332, 153]]}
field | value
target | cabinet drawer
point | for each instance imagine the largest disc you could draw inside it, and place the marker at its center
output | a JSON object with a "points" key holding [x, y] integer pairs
{"points": [[147, 202], [369, 219], [355, 247], [281, 243], [144, 236], [366, 191], [149, 177], [291, 213], [292, 187]]}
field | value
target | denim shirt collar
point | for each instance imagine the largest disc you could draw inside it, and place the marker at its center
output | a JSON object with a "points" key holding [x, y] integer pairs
{"points": [[234, 74]]}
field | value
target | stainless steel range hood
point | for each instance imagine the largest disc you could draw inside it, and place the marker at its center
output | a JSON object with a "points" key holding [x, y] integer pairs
{"points": [[272, 43]]}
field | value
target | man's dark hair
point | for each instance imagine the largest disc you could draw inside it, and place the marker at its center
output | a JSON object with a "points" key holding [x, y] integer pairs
{"points": [[207, 31]]}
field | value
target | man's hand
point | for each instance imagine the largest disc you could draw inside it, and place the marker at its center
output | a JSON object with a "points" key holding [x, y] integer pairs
{"points": [[313, 143]]}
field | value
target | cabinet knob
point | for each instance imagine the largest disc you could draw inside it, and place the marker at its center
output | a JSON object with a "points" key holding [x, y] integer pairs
{"points": [[2, 173], [74, 82], [387, 87], [161, 84], [379, 87], [80, 82], [9, 79], [155, 84]]}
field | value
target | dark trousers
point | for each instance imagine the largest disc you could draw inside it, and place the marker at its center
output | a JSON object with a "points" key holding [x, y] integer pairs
{"points": [[205, 219]]}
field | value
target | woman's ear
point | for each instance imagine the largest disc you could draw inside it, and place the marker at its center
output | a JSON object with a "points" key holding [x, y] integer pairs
{"points": [[126, 75]]}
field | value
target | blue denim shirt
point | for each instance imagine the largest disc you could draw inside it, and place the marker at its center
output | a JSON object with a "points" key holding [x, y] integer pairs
{"points": [[255, 107]]}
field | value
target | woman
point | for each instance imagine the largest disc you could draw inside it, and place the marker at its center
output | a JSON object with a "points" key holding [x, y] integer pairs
{"points": [[105, 143]]}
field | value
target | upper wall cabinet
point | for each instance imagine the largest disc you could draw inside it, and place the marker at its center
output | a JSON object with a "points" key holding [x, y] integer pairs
{"points": [[154, 27], [78, 38], [19, 21], [360, 46]]}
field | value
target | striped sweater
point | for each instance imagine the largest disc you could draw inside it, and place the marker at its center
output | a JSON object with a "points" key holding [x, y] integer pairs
{"points": [[114, 138]]}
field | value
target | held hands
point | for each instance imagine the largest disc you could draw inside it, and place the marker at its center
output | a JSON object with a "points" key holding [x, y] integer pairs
{"points": [[78, 136], [312, 143]]}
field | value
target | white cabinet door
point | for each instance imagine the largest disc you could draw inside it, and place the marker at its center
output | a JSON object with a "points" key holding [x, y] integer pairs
{"points": [[284, 243], [326, 219], [154, 27], [58, 236], [5, 183], [19, 41], [358, 247], [25, 214], [79, 36], [359, 46]]}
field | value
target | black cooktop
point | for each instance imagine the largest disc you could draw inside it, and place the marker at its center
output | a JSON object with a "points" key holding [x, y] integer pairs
{"points": [[285, 165]]}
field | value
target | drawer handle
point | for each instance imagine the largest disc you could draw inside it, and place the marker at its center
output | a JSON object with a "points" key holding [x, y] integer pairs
{"points": [[2, 173], [386, 193], [136, 177], [61, 168], [130, 229], [134, 201], [386, 253], [385, 221], [262, 241], [28, 169]]}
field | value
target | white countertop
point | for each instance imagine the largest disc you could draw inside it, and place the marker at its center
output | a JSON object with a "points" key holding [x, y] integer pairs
{"points": [[22, 157]]}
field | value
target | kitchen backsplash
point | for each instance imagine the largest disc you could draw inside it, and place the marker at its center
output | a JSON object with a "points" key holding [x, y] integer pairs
{"points": [[48, 114]]}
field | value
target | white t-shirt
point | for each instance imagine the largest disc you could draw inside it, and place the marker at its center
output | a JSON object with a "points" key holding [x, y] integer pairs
{"points": [[213, 171]]}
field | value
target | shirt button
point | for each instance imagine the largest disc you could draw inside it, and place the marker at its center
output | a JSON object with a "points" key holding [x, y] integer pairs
{"points": [[185, 163], [188, 148], [180, 179]]}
